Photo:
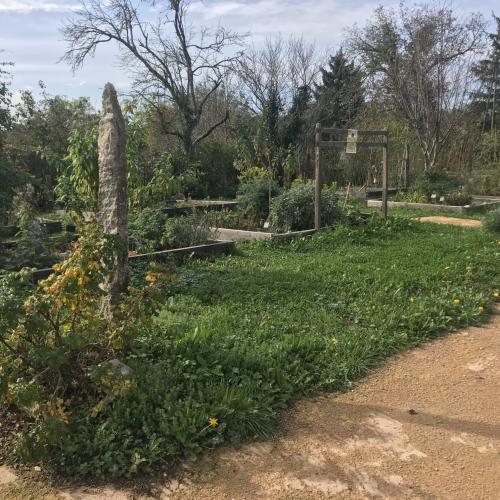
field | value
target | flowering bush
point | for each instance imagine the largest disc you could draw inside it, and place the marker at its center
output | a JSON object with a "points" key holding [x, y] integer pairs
{"points": [[58, 350]]}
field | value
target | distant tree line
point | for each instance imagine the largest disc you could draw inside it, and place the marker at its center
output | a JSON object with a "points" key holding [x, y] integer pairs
{"points": [[210, 109]]}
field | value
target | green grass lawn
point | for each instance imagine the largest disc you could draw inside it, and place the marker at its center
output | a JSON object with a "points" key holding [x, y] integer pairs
{"points": [[241, 337]]}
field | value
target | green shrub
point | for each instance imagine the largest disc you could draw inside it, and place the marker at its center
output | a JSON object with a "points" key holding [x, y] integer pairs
{"points": [[146, 229], [253, 199], [186, 231], [458, 198], [294, 209], [410, 197], [227, 218], [435, 181], [491, 221], [58, 350]]}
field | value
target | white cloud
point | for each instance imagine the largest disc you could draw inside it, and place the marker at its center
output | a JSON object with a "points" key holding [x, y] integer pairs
{"points": [[26, 6], [322, 20]]}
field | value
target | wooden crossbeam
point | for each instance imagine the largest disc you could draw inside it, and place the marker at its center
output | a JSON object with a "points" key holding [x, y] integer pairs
{"points": [[345, 131], [383, 143], [341, 144]]}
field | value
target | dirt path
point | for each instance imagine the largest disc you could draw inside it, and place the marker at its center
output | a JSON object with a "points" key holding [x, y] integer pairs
{"points": [[454, 221], [425, 425]]}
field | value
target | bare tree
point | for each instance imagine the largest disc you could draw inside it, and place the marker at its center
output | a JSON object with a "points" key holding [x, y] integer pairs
{"points": [[171, 61], [263, 71], [420, 59], [278, 66], [303, 64]]}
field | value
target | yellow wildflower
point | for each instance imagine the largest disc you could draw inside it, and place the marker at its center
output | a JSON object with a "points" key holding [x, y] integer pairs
{"points": [[496, 295], [481, 309], [150, 278], [213, 422], [456, 301], [412, 299]]}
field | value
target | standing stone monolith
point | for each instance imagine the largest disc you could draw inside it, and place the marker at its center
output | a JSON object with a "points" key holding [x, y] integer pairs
{"points": [[113, 203]]}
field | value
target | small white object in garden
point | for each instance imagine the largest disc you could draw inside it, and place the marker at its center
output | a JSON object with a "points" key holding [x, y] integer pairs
{"points": [[441, 199], [266, 224], [433, 196]]}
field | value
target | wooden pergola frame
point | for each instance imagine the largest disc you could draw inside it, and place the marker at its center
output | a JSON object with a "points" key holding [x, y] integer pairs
{"points": [[383, 142]]}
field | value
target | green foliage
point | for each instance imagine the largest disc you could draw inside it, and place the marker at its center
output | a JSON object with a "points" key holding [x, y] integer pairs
{"points": [[218, 177], [151, 230], [159, 189], [145, 229], [240, 340], [58, 351], [491, 221], [227, 218], [435, 182], [458, 198], [340, 96], [30, 247], [253, 199], [78, 181], [412, 196], [294, 209], [186, 231]]}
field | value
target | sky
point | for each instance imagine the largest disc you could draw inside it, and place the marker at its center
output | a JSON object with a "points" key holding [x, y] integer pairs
{"points": [[30, 36]]}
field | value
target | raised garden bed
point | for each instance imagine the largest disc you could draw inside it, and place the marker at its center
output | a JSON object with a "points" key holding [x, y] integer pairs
{"points": [[49, 226], [240, 234], [212, 248], [479, 204]]}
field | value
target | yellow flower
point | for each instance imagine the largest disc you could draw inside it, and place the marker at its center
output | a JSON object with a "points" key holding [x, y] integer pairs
{"points": [[150, 278], [496, 295], [481, 309], [213, 422], [456, 301], [412, 299], [93, 265]]}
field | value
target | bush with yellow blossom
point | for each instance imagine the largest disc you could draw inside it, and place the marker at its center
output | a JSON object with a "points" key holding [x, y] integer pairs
{"points": [[56, 345]]}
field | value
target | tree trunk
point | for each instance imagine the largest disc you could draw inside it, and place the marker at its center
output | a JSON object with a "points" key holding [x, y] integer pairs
{"points": [[113, 203]]}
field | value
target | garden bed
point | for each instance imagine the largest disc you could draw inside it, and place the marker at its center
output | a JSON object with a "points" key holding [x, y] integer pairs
{"points": [[212, 248], [199, 206], [240, 234], [479, 204], [49, 226]]}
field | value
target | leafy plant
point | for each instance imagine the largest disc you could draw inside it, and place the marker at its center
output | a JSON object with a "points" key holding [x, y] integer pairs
{"points": [[294, 209], [491, 221], [458, 198], [146, 229], [59, 351], [410, 197], [30, 249], [435, 181], [253, 199], [186, 231]]}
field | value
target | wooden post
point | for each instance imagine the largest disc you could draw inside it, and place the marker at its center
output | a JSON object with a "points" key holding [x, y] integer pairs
{"points": [[385, 175], [406, 167], [317, 190]]}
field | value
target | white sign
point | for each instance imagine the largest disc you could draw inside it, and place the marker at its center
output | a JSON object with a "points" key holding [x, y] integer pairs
{"points": [[352, 141]]}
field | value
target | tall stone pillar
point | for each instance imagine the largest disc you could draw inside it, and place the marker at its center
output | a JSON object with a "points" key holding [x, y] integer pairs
{"points": [[113, 203]]}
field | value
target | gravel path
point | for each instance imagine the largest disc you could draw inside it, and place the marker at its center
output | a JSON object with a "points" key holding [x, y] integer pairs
{"points": [[424, 425], [454, 221]]}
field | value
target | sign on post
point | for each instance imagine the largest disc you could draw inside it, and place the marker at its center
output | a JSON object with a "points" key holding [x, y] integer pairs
{"points": [[352, 141]]}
